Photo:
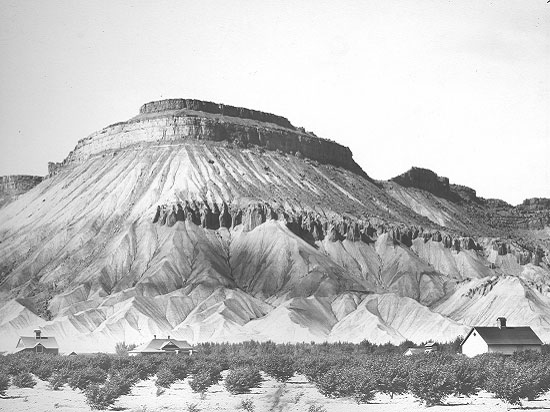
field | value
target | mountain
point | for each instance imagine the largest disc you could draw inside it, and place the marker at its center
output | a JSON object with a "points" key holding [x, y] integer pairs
{"points": [[209, 222]]}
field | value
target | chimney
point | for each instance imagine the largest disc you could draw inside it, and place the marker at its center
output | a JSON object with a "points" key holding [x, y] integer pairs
{"points": [[154, 336], [168, 336], [501, 323], [37, 333]]}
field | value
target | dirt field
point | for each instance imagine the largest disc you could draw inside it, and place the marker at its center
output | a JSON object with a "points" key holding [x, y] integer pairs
{"points": [[295, 396]]}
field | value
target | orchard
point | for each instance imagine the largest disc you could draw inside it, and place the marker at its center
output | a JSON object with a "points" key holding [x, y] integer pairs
{"points": [[339, 370]]}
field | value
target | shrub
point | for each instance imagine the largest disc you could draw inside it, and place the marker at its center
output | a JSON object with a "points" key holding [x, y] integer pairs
{"points": [[44, 371], [332, 384], [364, 387], [165, 378], [99, 397], [466, 378], [346, 381], [279, 367], [391, 376], [483, 365], [313, 367], [514, 380], [431, 382], [242, 360], [82, 378], [119, 362], [24, 380], [4, 384], [241, 380], [180, 367], [316, 408], [204, 379], [101, 360], [247, 405], [146, 366], [506, 384], [121, 381], [58, 379], [103, 396], [14, 365]]}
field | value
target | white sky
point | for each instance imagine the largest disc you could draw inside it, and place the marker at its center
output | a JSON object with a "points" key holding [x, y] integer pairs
{"points": [[460, 87]]}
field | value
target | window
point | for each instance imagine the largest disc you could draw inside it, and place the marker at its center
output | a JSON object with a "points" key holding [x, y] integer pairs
{"points": [[39, 348]]}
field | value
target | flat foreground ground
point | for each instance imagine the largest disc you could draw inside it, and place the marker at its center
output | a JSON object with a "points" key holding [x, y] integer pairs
{"points": [[297, 395]]}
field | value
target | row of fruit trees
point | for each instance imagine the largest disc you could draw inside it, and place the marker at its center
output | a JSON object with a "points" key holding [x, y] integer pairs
{"points": [[338, 371]]}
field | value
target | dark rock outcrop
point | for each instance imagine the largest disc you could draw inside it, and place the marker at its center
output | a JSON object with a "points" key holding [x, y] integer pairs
{"points": [[54, 168], [15, 185], [536, 203], [464, 192], [213, 108], [424, 179], [439, 186]]}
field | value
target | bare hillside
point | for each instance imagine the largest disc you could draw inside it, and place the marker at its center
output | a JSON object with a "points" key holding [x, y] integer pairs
{"points": [[215, 223]]}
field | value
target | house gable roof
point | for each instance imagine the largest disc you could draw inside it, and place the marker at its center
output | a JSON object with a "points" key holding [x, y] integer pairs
{"points": [[157, 345], [492, 335], [27, 342]]}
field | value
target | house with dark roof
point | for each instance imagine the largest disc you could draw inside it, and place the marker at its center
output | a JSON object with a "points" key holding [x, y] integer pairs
{"points": [[37, 344], [427, 348], [500, 339], [162, 346]]}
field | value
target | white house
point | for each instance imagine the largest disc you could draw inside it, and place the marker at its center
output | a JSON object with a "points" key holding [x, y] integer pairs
{"points": [[428, 348], [500, 339], [37, 344], [162, 346]]}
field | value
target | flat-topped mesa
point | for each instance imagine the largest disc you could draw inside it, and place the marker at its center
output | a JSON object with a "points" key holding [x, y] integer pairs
{"points": [[424, 179], [429, 181], [213, 108], [188, 120]]}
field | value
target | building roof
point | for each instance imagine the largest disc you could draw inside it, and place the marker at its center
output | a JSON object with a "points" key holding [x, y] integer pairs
{"points": [[157, 345], [415, 351], [28, 342], [494, 335]]}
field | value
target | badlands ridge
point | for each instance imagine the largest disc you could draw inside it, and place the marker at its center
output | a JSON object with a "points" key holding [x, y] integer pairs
{"points": [[209, 222]]}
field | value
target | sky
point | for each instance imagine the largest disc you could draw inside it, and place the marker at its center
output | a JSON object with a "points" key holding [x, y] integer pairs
{"points": [[458, 87]]}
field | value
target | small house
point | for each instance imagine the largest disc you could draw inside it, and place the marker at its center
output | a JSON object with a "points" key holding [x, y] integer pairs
{"points": [[500, 339], [163, 346], [431, 347], [37, 344], [427, 348]]}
